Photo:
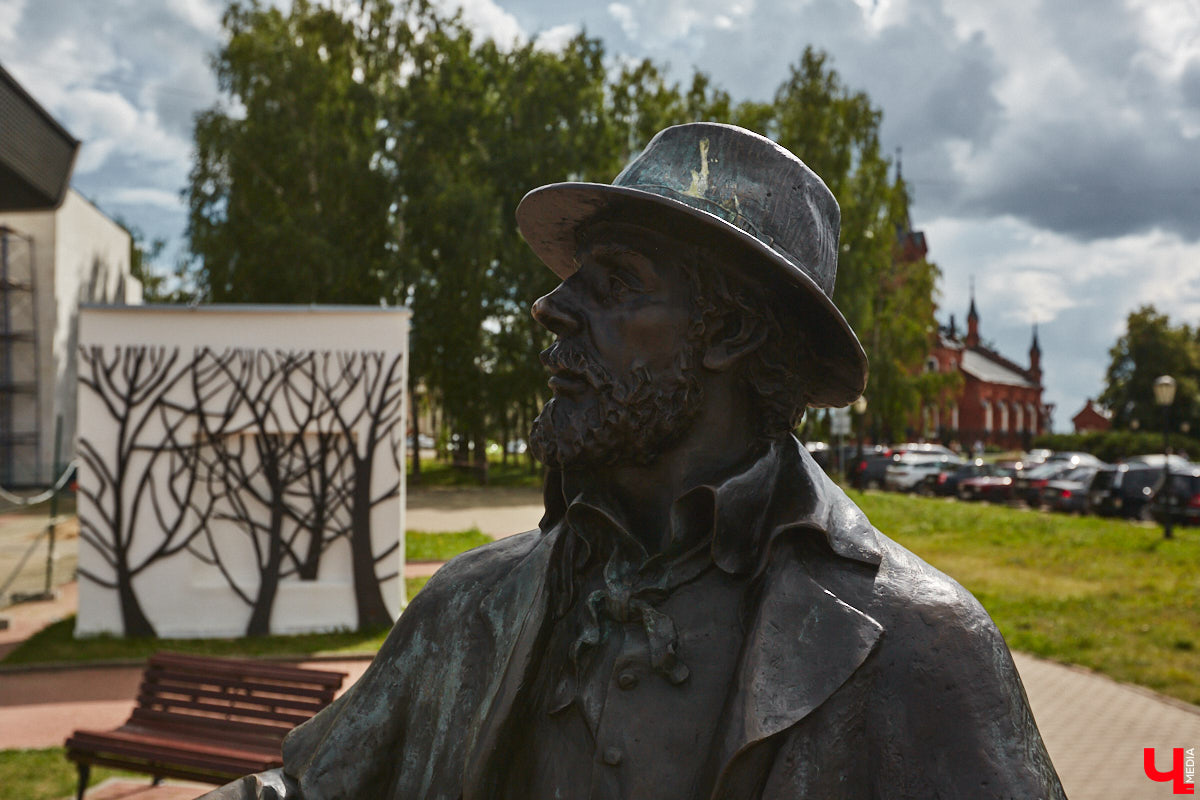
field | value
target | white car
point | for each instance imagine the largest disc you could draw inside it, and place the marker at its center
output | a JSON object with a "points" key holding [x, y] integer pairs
{"points": [[905, 472]]}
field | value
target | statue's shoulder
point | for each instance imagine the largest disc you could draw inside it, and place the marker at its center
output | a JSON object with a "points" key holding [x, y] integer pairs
{"points": [[909, 589], [480, 570]]}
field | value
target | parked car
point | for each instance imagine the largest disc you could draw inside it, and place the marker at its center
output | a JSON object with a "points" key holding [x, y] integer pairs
{"points": [[1180, 501], [906, 472], [1069, 493], [1037, 455], [1123, 490], [871, 470], [995, 485], [922, 447], [945, 482], [821, 454], [1156, 460], [426, 442], [1076, 457], [1028, 484]]}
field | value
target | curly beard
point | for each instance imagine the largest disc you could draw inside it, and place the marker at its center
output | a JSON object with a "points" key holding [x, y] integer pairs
{"points": [[619, 422]]}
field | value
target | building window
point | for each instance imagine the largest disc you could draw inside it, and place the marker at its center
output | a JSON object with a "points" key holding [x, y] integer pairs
{"points": [[954, 416], [931, 364], [1033, 418], [1003, 416], [1019, 413], [987, 416]]}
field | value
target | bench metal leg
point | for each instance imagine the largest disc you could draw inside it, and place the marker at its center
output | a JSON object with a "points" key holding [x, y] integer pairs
{"points": [[85, 771]]}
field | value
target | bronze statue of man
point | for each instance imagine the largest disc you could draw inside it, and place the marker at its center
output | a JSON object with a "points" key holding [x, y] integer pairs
{"points": [[701, 613]]}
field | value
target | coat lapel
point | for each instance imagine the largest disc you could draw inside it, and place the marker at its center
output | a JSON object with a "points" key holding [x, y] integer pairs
{"points": [[802, 645], [803, 642]]}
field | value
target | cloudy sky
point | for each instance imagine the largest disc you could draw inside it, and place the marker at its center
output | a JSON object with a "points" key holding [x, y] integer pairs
{"points": [[1053, 146]]}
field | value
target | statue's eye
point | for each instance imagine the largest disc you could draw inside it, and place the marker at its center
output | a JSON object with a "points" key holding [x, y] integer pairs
{"points": [[618, 287]]}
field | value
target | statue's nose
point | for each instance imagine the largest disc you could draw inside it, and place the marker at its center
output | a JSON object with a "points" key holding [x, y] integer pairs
{"points": [[551, 311]]}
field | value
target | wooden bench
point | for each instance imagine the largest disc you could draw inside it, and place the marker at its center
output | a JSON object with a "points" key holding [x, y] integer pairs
{"points": [[206, 719]]}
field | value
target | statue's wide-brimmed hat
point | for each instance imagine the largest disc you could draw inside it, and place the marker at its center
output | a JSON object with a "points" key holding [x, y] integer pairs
{"points": [[708, 182]]}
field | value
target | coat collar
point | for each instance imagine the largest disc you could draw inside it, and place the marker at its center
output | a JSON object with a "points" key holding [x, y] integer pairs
{"points": [[782, 489], [801, 645]]}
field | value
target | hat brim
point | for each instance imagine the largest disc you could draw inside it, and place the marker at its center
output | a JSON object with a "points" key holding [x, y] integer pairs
{"points": [[551, 217]]}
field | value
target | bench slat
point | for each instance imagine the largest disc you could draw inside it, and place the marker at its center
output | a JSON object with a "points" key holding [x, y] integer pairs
{"points": [[241, 681], [169, 688], [206, 666], [226, 705]]}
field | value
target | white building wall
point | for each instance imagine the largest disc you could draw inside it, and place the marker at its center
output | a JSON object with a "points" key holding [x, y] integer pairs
{"points": [[182, 595], [79, 255], [91, 265]]}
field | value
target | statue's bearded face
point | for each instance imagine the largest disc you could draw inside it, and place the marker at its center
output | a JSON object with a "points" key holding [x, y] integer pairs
{"points": [[625, 365]]}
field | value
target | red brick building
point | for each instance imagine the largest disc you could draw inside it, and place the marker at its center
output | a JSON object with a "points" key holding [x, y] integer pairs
{"points": [[1092, 418], [1000, 402]]}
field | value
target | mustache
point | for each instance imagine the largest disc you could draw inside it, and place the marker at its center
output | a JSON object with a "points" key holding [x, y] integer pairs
{"points": [[575, 361]]}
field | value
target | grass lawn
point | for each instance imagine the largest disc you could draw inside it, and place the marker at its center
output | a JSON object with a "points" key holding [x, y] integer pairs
{"points": [[1110, 595], [421, 546], [46, 775]]}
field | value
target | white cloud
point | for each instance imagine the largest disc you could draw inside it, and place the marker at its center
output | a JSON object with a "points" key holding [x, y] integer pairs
{"points": [[10, 15], [203, 15], [108, 123], [555, 39], [623, 14], [487, 19], [146, 196]]}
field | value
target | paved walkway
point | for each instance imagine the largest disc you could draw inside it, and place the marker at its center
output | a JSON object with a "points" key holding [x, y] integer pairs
{"points": [[496, 512]]}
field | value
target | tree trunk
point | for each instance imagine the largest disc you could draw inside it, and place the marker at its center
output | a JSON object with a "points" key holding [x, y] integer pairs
{"points": [[268, 583], [481, 459], [133, 619], [415, 412], [368, 594]]}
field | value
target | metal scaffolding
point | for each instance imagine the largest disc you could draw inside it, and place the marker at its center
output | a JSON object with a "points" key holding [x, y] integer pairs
{"points": [[20, 395]]}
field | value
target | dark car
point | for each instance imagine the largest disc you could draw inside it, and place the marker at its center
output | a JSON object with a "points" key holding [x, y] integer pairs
{"points": [[1180, 502], [1069, 493], [995, 485], [1123, 490], [1028, 484], [870, 471], [945, 482]]}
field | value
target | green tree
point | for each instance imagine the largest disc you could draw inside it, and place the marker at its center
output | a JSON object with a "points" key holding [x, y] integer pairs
{"points": [[1151, 346], [287, 199], [379, 152], [888, 301]]}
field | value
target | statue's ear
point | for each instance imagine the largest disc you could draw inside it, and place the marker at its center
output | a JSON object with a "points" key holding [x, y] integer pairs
{"points": [[741, 335]]}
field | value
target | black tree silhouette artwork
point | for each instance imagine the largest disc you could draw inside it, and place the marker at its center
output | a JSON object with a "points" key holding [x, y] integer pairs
{"points": [[277, 449], [131, 486]]}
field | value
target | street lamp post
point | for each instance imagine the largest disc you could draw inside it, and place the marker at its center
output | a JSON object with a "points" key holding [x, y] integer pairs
{"points": [[859, 407], [1164, 395]]}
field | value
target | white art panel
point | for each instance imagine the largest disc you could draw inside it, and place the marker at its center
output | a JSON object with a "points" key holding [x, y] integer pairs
{"points": [[241, 469]]}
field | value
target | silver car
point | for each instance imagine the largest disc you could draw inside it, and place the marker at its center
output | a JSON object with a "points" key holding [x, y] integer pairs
{"points": [[905, 472]]}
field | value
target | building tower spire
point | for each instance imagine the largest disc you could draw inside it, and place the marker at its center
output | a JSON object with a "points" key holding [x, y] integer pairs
{"points": [[972, 320], [1035, 357]]}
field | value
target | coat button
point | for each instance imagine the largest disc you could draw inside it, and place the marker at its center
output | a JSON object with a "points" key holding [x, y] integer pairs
{"points": [[612, 756], [627, 680]]}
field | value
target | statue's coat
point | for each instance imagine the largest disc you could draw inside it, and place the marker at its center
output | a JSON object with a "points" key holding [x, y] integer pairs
{"points": [[865, 673]]}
